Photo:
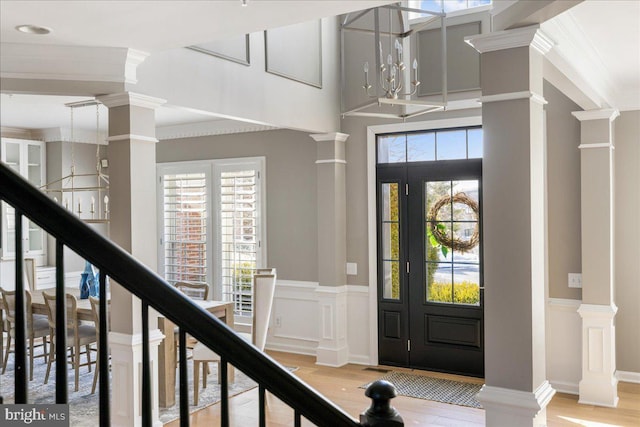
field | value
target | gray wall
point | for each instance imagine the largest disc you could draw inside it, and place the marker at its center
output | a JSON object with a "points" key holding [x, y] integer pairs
{"points": [[563, 186], [627, 236], [292, 241]]}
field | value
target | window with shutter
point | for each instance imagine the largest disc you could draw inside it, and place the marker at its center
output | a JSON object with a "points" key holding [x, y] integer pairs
{"points": [[185, 223], [239, 236], [210, 217]]}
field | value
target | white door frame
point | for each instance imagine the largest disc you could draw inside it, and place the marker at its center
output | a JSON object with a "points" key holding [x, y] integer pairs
{"points": [[372, 132]]}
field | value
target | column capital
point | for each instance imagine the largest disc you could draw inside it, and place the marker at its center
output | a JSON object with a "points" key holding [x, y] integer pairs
{"points": [[605, 113], [599, 311], [519, 37], [131, 98], [332, 136]]}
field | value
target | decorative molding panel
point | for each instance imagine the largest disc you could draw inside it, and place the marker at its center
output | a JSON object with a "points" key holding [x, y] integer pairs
{"points": [[599, 385], [296, 318], [234, 49], [295, 52]]}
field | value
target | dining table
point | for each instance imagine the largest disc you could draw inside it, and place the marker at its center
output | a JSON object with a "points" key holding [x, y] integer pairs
{"points": [[223, 310]]}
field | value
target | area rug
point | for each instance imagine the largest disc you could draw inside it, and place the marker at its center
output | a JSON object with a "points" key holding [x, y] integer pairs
{"points": [[83, 409], [436, 389]]}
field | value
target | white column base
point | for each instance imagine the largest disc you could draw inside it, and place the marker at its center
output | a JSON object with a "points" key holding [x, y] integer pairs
{"points": [[333, 349], [126, 372], [599, 385], [507, 407]]}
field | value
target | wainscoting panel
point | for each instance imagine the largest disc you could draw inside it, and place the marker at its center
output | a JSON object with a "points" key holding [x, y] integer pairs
{"points": [[564, 344], [296, 320]]}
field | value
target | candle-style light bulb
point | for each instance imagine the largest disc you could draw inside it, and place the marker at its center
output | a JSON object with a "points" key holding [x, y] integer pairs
{"points": [[366, 67], [389, 59], [415, 64]]}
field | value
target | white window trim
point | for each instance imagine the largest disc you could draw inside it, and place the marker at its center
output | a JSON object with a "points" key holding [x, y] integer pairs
{"points": [[372, 134], [212, 169]]}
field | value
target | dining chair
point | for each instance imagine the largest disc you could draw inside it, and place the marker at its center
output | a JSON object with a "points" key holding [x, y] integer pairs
{"points": [[37, 327], [78, 334], [193, 290], [264, 284], [198, 291]]}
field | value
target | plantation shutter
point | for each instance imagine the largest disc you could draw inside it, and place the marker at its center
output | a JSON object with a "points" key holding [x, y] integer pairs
{"points": [[185, 227], [239, 236]]}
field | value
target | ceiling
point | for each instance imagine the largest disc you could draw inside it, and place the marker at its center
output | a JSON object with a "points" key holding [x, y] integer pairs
{"points": [[610, 29]]}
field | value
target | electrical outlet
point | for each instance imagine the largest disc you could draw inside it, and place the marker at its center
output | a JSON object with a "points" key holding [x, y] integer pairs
{"points": [[575, 280], [278, 322]]}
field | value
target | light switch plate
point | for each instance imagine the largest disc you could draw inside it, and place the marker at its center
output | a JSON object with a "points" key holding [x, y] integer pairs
{"points": [[352, 268], [575, 280]]}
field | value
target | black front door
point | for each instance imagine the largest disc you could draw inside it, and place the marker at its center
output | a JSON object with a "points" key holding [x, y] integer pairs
{"points": [[430, 311]]}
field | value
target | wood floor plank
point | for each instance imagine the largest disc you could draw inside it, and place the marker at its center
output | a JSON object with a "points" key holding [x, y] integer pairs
{"points": [[341, 385]]}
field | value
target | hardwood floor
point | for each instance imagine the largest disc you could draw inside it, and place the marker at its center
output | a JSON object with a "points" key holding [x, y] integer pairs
{"points": [[341, 386]]}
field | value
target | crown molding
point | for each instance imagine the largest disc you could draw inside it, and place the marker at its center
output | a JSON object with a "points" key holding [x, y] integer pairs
{"points": [[603, 114], [18, 133], [209, 128], [130, 98], [63, 134], [520, 37], [69, 63]]}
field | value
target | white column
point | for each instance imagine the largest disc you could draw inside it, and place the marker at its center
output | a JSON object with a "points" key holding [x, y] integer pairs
{"points": [[132, 193], [599, 385], [516, 392], [333, 349]]}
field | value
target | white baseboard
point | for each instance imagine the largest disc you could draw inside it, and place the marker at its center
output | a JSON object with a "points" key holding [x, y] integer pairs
{"points": [[565, 387], [294, 349], [629, 377]]}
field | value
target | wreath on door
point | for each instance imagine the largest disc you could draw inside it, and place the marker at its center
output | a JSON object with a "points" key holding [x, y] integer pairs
{"points": [[439, 232]]}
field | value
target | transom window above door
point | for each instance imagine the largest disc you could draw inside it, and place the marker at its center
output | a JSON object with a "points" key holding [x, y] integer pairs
{"points": [[450, 144]]}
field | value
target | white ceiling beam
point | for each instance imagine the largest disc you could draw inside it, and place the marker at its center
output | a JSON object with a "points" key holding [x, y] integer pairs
{"points": [[528, 12], [67, 70]]}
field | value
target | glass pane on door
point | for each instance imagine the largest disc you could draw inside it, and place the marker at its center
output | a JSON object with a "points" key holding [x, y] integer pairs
{"points": [[452, 236], [390, 246]]}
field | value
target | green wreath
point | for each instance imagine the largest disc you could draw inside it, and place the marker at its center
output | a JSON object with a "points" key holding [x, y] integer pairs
{"points": [[438, 231]]}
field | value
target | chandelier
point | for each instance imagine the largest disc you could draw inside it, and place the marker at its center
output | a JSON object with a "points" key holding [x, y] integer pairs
{"points": [[84, 194], [393, 85]]}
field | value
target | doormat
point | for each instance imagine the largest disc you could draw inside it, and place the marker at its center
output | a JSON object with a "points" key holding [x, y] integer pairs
{"points": [[436, 389]]}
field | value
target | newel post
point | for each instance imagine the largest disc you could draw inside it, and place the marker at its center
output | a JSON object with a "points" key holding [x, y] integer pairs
{"points": [[381, 413]]}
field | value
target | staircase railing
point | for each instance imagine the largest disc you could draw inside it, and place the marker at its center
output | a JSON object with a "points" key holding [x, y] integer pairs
{"points": [[154, 291]]}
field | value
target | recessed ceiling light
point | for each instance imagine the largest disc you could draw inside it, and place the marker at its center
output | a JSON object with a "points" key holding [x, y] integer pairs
{"points": [[33, 29]]}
